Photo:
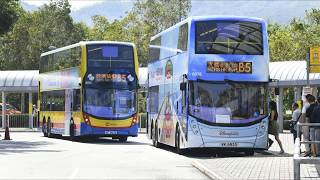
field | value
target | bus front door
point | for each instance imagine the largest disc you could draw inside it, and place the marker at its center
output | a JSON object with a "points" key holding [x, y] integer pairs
{"points": [[68, 111]]}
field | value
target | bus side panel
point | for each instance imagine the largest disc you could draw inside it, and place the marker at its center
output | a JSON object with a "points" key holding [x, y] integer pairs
{"points": [[57, 121]]}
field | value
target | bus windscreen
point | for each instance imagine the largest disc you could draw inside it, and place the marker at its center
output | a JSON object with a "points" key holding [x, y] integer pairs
{"points": [[229, 37], [110, 56]]}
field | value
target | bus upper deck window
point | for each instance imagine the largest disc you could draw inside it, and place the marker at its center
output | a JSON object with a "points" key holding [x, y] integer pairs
{"points": [[110, 51]]}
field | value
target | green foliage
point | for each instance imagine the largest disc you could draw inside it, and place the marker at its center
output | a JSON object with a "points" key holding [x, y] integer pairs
{"points": [[146, 19], [292, 42], [34, 32], [9, 13]]}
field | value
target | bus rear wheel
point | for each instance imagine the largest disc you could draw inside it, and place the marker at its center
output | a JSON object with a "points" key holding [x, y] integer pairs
{"points": [[155, 135], [49, 134], [44, 127]]}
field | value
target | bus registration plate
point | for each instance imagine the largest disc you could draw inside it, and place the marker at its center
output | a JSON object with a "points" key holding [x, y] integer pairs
{"points": [[110, 132], [229, 144]]}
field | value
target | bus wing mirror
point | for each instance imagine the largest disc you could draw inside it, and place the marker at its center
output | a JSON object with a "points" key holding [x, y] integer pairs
{"points": [[183, 86]]}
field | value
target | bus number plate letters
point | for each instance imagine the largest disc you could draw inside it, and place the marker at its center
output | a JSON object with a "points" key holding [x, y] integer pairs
{"points": [[229, 67], [229, 144], [110, 132]]}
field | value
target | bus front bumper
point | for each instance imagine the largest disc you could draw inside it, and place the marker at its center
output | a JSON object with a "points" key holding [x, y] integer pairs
{"points": [[108, 132]]}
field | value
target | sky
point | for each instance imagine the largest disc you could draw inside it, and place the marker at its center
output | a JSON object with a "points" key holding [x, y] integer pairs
{"points": [[280, 11]]}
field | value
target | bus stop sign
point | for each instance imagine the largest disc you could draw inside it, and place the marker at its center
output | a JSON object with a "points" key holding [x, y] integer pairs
{"points": [[315, 60]]}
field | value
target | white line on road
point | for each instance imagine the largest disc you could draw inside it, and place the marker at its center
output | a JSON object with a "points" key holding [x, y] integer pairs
{"points": [[205, 170], [74, 173]]}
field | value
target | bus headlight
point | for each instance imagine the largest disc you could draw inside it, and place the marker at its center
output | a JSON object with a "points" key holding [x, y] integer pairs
{"points": [[134, 119], [86, 119], [194, 126], [263, 127]]}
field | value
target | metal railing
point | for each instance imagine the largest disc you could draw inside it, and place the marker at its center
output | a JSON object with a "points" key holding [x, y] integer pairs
{"points": [[20, 121], [142, 122], [297, 158]]}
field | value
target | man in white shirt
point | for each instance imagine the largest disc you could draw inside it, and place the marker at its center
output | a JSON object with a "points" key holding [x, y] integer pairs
{"points": [[305, 129]]}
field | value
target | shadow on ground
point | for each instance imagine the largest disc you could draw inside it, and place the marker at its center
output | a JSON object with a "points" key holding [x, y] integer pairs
{"points": [[8, 147], [209, 153], [100, 140]]}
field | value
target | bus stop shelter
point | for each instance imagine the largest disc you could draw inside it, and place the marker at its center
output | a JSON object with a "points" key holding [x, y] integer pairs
{"points": [[18, 82], [291, 74]]}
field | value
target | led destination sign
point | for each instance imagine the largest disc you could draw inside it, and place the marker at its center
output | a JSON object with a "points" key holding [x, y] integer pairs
{"points": [[229, 67]]}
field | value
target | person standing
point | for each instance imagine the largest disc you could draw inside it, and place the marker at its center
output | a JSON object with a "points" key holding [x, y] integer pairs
{"points": [[305, 129], [273, 125], [313, 116], [295, 118]]}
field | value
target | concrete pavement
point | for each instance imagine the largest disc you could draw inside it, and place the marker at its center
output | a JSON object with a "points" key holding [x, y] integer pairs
{"points": [[263, 165], [31, 156]]}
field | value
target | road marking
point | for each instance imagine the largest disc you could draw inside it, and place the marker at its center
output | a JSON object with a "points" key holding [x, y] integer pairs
{"points": [[74, 173], [205, 170]]}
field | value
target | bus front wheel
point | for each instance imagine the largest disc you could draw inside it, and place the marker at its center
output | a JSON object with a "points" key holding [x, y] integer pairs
{"points": [[71, 130], [177, 141], [249, 152], [123, 139]]}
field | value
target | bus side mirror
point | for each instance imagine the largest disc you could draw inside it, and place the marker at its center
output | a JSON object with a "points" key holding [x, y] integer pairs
{"points": [[183, 86]]}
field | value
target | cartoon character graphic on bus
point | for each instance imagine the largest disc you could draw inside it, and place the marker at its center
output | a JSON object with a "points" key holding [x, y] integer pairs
{"points": [[169, 69], [167, 122]]}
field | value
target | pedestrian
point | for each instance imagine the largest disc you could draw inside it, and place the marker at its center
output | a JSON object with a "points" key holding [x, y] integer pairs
{"points": [[273, 125], [316, 118], [295, 119], [305, 129], [313, 116]]}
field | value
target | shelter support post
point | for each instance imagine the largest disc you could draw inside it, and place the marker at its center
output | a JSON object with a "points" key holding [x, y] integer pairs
{"points": [[280, 109], [22, 103], [30, 111], [3, 109]]}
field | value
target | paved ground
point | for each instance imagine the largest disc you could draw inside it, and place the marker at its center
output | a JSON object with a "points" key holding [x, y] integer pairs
{"points": [[264, 165], [31, 156]]}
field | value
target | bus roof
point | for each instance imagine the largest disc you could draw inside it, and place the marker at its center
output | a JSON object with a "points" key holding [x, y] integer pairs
{"points": [[85, 43], [215, 17]]}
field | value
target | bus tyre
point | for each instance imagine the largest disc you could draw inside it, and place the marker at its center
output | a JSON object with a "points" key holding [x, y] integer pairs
{"points": [[44, 128], [49, 134], [177, 141], [249, 152], [123, 139], [155, 135], [71, 130]]}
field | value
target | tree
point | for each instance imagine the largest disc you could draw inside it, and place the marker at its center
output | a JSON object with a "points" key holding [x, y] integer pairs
{"points": [[34, 32], [292, 42], [154, 16], [9, 13]]}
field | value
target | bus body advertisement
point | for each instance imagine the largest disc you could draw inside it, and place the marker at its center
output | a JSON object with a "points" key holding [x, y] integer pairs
{"points": [[208, 84], [89, 88]]}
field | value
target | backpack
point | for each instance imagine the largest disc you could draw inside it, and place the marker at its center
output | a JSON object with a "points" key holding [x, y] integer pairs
{"points": [[315, 116]]}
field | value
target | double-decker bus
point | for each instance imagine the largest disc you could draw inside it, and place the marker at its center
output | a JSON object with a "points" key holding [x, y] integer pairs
{"points": [[89, 88], [207, 84]]}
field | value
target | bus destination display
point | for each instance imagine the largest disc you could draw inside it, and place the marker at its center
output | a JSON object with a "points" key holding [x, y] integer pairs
{"points": [[229, 67]]}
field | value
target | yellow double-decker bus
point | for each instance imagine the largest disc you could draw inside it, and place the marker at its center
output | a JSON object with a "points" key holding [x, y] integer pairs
{"points": [[89, 89]]}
